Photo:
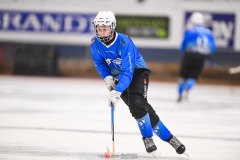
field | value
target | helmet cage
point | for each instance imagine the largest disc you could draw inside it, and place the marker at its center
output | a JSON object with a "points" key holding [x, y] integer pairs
{"points": [[107, 38], [105, 18]]}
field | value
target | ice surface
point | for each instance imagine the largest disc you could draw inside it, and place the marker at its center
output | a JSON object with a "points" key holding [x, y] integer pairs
{"points": [[68, 119]]}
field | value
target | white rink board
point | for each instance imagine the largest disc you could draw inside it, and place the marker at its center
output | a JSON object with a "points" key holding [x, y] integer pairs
{"points": [[68, 119]]}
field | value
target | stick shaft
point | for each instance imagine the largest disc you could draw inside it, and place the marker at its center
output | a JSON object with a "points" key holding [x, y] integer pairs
{"points": [[112, 127], [112, 121]]}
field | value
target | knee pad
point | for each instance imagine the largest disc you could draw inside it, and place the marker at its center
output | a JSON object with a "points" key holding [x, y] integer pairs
{"points": [[137, 107]]}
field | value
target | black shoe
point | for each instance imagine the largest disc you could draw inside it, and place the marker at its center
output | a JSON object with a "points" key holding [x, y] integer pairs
{"points": [[176, 144], [149, 144]]}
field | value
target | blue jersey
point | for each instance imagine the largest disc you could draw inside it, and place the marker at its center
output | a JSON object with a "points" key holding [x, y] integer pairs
{"points": [[198, 40], [119, 59]]}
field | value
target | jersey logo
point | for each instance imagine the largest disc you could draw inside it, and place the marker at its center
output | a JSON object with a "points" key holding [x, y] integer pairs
{"points": [[110, 52], [117, 61], [123, 43], [108, 61]]}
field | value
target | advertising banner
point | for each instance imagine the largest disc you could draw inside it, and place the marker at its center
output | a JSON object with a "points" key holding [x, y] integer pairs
{"points": [[22, 21], [144, 26]]}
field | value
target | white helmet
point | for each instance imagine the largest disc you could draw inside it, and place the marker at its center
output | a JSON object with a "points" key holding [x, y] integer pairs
{"points": [[105, 18], [197, 18]]}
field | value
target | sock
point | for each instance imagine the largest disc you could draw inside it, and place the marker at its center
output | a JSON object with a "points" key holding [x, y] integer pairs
{"points": [[161, 131], [145, 127], [181, 86], [190, 83]]}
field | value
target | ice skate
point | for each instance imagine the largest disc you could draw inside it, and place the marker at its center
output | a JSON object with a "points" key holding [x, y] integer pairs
{"points": [[186, 94], [176, 144], [179, 98], [149, 144]]}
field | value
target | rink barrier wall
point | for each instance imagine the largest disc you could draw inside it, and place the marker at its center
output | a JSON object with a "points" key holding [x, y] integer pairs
{"points": [[76, 61]]}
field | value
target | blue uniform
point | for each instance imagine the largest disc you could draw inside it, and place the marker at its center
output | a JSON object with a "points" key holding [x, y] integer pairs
{"points": [[198, 40], [118, 59], [122, 60], [116, 55]]}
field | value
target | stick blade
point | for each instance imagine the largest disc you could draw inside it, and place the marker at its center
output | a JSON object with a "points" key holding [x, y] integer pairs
{"points": [[234, 70]]}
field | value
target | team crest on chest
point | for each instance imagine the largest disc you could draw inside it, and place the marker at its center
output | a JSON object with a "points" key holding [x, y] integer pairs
{"points": [[117, 61]]}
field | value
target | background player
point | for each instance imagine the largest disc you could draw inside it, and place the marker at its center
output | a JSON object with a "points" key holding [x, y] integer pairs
{"points": [[198, 44]]}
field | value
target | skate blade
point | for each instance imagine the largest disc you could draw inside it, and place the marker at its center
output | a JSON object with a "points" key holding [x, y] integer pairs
{"points": [[153, 154], [186, 154]]}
